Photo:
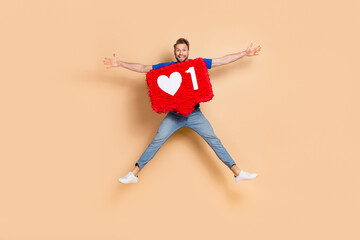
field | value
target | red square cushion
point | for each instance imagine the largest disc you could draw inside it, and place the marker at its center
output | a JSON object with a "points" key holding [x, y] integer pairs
{"points": [[179, 87]]}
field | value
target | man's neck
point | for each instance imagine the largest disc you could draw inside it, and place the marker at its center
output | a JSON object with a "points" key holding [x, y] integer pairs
{"points": [[181, 62]]}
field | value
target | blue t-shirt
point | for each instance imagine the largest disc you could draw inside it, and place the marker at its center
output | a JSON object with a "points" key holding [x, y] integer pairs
{"points": [[206, 60]]}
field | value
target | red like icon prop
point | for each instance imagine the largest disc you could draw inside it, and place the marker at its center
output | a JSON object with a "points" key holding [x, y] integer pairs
{"points": [[179, 87]]}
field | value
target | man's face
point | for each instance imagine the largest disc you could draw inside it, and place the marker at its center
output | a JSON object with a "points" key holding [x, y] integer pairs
{"points": [[181, 52]]}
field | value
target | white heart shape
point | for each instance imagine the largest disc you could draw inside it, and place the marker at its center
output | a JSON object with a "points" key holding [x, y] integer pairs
{"points": [[170, 85]]}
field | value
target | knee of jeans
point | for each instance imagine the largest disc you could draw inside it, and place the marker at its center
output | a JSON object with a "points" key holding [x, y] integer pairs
{"points": [[213, 139], [159, 138]]}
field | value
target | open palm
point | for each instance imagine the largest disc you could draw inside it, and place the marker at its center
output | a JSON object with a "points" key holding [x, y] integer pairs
{"points": [[252, 51], [112, 62]]}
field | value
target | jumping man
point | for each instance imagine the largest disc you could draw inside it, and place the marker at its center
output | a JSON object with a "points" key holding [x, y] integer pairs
{"points": [[195, 120]]}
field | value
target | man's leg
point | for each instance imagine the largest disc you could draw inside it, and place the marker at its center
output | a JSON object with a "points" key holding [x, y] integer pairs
{"points": [[201, 125], [198, 122], [171, 123]]}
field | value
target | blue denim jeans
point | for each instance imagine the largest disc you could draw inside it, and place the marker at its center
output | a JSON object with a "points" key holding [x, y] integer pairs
{"points": [[173, 122]]}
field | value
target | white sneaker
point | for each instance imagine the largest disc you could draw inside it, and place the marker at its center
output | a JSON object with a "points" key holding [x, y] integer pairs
{"points": [[129, 178], [245, 176]]}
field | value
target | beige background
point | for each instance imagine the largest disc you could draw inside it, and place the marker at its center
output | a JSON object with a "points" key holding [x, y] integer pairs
{"points": [[69, 127]]}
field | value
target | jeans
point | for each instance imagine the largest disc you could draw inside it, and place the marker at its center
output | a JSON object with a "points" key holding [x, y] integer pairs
{"points": [[173, 122]]}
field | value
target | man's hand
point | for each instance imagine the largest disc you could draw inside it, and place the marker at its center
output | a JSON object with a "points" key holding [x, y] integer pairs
{"points": [[136, 67], [252, 52], [236, 56], [112, 62]]}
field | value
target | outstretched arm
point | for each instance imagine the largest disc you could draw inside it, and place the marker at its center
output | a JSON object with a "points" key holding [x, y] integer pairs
{"points": [[137, 67], [236, 56]]}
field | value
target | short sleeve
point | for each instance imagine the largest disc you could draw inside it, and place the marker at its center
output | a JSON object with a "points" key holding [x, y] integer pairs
{"points": [[208, 62], [156, 66]]}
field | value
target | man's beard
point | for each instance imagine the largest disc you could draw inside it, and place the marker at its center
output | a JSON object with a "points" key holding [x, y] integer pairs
{"points": [[184, 59]]}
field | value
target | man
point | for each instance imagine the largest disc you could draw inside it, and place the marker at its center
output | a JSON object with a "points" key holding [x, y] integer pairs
{"points": [[195, 120]]}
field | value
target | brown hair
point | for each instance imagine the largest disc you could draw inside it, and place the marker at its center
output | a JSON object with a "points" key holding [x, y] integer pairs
{"points": [[182, 41]]}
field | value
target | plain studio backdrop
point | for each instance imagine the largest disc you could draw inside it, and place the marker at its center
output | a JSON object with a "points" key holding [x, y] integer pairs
{"points": [[70, 127]]}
